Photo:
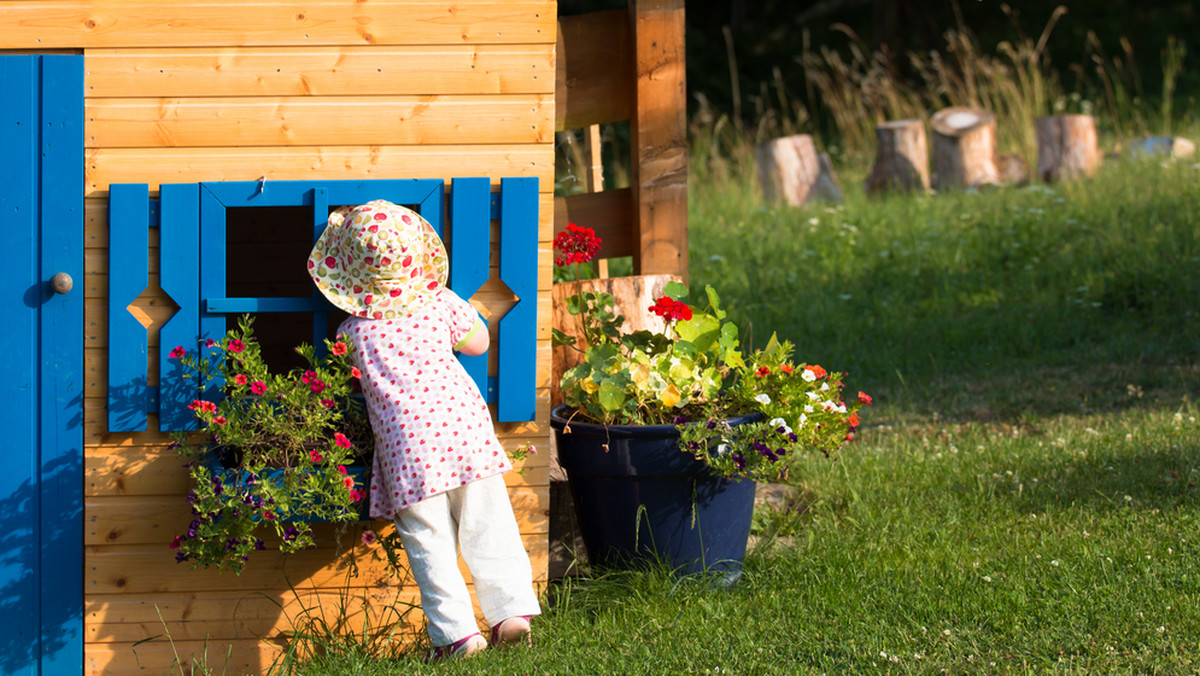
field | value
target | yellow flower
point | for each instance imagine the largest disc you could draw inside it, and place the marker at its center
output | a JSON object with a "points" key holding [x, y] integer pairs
{"points": [[590, 386], [670, 396], [640, 374]]}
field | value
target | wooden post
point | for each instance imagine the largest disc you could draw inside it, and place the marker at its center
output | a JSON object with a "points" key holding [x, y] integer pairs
{"points": [[593, 160], [964, 148], [1067, 147], [658, 138], [791, 172], [901, 158]]}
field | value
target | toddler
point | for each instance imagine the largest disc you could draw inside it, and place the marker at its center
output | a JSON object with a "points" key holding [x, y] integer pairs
{"points": [[438, 471]]}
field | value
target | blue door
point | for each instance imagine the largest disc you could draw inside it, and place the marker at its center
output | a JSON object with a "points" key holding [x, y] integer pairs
{"points": [[41, 364]]}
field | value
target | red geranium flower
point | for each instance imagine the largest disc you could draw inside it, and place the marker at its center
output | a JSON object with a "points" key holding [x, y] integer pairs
{"points": [[354, 372], [865, 398], [786, 368], [762, 371], [671, 309], [576, 244]]}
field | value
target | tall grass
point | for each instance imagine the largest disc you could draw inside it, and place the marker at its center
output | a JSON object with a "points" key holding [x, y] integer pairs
{"points": [[850, 88]]}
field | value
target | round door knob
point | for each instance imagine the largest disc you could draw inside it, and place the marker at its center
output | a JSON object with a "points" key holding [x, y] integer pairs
{"points": [[61, 283]]}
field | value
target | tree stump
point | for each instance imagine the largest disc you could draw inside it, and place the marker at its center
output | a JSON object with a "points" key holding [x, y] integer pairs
{"points": [[901, 158], [1013, 169], [791, 171], [1067, 147], [964, 148]]}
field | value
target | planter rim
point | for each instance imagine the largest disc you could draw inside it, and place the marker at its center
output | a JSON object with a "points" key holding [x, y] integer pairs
{"points": [[560, 418]]}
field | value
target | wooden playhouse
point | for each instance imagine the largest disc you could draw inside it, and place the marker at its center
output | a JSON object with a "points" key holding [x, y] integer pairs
{"points": [[152, 152]]}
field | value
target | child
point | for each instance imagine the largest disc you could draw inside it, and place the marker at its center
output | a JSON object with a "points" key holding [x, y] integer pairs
{"points": [[439, 468]]}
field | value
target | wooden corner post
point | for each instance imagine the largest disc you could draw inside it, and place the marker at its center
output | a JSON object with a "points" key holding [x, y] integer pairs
{"points": [[659, 138]]}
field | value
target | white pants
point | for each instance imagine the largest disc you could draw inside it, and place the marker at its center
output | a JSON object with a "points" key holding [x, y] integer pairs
{"points": [[477, 517]]}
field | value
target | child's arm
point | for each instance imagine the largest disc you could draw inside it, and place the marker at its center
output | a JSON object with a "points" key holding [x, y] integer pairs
{"points": [[477, 343]]}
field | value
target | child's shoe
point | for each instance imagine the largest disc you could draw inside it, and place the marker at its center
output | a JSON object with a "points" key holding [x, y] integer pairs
{"points": [[512, 631], [463, 647]]}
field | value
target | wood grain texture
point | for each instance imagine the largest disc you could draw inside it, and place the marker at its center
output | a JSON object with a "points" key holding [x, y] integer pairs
{"points": [[154, 520], [321, 71], [50, 24], [129, 570], [594, 81], [294, 163], [659, 138], [318, 120]]}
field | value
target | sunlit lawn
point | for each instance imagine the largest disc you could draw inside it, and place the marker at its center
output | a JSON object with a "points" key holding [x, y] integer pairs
{"points": [[1023, 496]]}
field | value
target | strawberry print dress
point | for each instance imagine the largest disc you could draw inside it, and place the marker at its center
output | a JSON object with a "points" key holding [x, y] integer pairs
{"points": [[433, 430]]}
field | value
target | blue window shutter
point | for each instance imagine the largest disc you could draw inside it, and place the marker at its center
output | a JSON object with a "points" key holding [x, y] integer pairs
{"points": [[128, 275], [470, 245], [179, 240], [516, 377]]}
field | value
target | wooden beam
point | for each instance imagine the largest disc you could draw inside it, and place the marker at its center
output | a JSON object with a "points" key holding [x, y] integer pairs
{"points": [[592, 81], [659, 138], [57, 24]]}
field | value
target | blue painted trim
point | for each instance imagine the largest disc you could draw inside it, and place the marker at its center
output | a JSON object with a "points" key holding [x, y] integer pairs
{"points": [[470, 245], [128, 276], [265, 304], [61, 390], [516, 372], [212, 270], [19, 184], [179, 267], [320, 320]]}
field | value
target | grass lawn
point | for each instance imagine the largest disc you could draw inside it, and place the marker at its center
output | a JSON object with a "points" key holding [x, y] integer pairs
{"points": [[1023, 496]]}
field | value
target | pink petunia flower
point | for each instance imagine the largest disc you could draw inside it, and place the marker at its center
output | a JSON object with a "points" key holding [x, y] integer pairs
{"points": [[348, 482], [369, 537], [354, 372], [315, 456], [258, 387], [339, 348], [241, 379], [236, 346], [177, 353], [341, 440]]}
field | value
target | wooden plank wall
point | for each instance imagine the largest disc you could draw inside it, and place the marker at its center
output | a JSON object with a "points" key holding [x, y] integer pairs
{"points": [[238, 89]]}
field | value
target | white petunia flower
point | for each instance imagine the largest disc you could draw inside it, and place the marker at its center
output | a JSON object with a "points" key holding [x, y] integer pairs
{"points": [[808, 376], [808, 408], [824, 387], [801, 420], [813, 395], [763, 399], [780, 422]]}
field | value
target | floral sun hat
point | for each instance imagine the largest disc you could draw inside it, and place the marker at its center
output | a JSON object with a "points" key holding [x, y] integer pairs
{"points": [[378, 260]]}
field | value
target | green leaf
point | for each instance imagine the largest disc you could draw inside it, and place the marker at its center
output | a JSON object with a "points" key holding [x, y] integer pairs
{"points": [[701, 330], [675, 290], [772, 346], [610, 396], [715, 301], [562, 338]]}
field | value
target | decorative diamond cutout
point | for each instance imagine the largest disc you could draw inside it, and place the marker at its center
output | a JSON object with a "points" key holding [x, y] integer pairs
{"points": [[153, 307]]}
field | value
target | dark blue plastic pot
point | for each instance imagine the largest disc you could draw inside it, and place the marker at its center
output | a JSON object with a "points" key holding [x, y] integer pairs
{"points": [[643, 498]]}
